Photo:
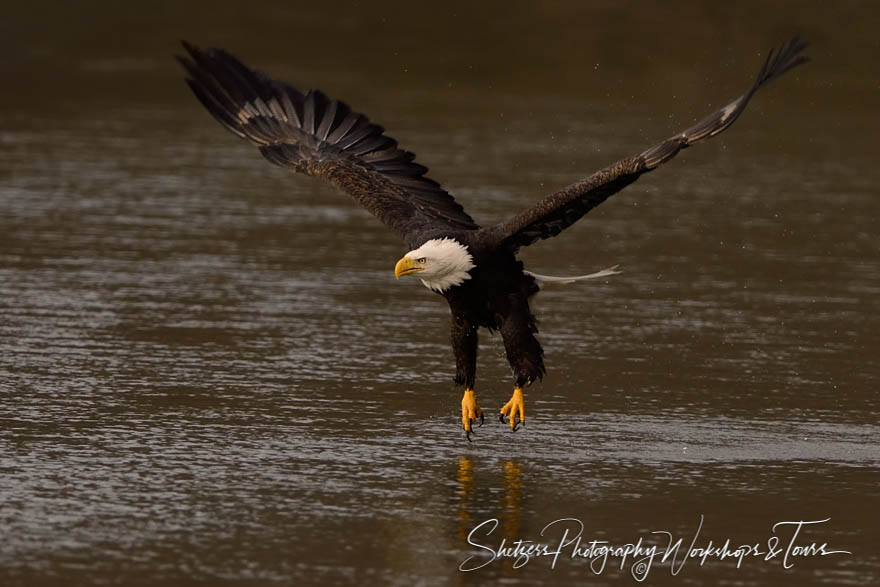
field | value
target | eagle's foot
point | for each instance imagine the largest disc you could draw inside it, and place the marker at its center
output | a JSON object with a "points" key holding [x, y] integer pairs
{"points": [[513, 408], [470, 411]]}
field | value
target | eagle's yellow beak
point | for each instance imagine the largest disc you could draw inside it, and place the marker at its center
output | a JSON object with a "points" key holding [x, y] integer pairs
{"points": [[407, 266]]}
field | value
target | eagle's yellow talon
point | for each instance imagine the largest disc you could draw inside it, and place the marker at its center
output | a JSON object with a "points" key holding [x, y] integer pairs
{"points": [[470, 411], [515, 407]]}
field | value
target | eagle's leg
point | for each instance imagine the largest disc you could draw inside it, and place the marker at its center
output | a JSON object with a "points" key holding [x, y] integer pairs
{"points": [[464, 345], [515, 407], [470, 411], [525, 355]]}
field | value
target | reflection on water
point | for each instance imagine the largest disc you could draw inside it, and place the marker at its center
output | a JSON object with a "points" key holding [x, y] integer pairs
{"points": [[205, 372], [508, 509], [465, 479]]}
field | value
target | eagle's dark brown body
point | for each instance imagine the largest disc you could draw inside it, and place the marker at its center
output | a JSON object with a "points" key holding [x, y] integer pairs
{"points": [[496, 297]]}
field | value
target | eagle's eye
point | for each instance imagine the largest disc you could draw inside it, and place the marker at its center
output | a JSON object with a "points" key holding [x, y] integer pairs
{"points": [[420, 260]]}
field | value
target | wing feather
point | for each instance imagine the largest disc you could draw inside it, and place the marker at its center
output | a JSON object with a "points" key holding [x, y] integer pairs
{"points": [[556, 212], [324, 138], [350, 120]]}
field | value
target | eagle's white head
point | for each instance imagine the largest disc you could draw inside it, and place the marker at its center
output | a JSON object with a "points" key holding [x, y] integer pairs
{"points": [[441, 263]]}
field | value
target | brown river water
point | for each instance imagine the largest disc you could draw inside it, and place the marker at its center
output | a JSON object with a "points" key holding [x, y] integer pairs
{"points": [[209, 375]]}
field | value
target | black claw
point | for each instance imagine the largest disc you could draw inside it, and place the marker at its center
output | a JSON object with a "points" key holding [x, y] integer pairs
{"points": [[515, 428], [471, 431], [501, 417], [481, 420]]}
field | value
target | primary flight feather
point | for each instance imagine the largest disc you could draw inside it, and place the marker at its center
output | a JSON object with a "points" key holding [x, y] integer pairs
{"points": [[474, 268]]}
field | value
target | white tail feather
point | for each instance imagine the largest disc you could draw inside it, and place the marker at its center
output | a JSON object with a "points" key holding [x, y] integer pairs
{"points": [[542, 279]]}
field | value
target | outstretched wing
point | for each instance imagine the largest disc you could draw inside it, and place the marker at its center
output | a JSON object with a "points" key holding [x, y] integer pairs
{"points": [[324, 138], [558, 211]]}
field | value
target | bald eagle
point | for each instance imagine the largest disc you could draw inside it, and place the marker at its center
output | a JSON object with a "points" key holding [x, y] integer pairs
{"points": [[475, 268]]}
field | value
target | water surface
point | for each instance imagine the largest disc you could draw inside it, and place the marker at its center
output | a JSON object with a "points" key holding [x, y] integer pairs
{"points": [[209, 373]]}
